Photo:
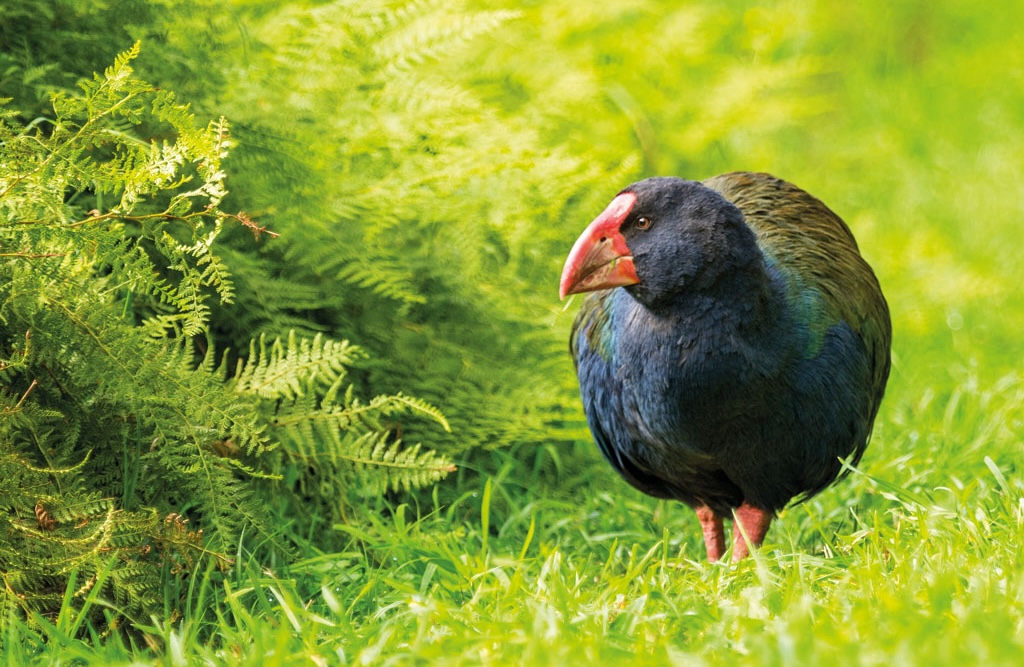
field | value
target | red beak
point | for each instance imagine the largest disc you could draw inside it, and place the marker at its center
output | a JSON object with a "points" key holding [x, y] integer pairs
{"points": [[600, 258]]}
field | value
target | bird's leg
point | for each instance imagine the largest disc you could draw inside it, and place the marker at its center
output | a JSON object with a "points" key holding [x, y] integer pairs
{"points": [[714, 533], [750, 525]]}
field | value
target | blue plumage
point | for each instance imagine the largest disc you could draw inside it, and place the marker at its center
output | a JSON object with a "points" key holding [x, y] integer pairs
{"points": [[734, 347]]}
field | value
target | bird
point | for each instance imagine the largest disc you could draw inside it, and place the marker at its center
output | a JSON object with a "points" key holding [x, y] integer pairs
{"points": [[733, 347]]}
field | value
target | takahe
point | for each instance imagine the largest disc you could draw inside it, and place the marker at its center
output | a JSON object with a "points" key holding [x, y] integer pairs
{"points": [[734, 349]]}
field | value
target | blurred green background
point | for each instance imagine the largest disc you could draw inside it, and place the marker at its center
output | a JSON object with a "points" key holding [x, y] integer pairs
{"points": [[428, 163]]}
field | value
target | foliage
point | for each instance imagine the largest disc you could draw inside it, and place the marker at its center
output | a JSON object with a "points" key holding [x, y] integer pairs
{"points": [[114, 431], [82, 381], [330, 441], [367, 159]]}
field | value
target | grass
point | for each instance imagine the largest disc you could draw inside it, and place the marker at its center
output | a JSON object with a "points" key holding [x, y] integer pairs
{"points": [[585, 571]]}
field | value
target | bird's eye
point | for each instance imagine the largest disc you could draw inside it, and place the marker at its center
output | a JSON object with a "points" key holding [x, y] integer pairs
{"points": [[643, 223]]}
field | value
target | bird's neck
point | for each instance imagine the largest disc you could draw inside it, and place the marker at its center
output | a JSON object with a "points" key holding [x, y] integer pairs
{"points": [[707, 341], [735, 292]]}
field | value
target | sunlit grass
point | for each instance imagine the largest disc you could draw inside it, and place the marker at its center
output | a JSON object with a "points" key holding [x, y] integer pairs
{"points": [[879, 571]]}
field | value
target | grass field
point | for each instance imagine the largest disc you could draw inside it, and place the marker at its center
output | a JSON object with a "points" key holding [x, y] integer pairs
{"points": [[575, 569], [537, 555]]}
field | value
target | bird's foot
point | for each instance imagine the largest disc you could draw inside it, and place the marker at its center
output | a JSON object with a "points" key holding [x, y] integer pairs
{"points": [[750, 525], [714, 532]]}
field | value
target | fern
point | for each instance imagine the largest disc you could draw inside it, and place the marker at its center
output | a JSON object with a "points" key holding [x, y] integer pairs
{"points": [[380, 464], [74, 155], [280, 370], [103, 421], [116, 412], [329, 439], [417, 33], [394, 209]]}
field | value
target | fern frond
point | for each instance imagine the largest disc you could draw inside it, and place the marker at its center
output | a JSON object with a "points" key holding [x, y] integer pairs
{"points": [[387, 279], [324, 428], [388, 405], [283, 370], [380, 464], [412, 40]]}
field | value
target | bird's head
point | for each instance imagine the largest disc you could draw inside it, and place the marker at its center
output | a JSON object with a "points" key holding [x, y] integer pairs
{"points": [[656, 237]]}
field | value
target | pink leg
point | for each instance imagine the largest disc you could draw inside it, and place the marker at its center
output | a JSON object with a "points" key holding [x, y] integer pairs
{"points": [[753, 521], [714, 533]]}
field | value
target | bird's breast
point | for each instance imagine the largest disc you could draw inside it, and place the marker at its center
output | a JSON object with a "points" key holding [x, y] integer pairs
{"points": [[689, 383]]}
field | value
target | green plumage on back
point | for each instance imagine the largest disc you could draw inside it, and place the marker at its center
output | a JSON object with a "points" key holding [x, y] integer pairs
{"points": [[814, 249]]}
